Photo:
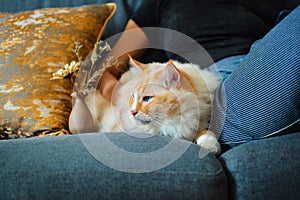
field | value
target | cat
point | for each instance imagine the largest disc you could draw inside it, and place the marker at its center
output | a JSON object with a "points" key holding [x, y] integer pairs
{"points": [[172, 99]]}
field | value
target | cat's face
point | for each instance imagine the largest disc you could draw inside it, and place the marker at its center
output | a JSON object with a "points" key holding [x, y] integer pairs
{"points": [[151, 104], [164, 98], [152, 99]]}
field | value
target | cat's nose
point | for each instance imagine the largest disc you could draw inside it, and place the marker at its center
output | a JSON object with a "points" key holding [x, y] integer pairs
{"points": [[134, 113]]}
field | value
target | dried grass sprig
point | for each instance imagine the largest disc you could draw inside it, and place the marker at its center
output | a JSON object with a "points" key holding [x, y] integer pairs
{"points": [[94, 66], [90, 70]]}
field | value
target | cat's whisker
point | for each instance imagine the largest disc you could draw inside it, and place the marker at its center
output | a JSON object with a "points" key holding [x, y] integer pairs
{"points": [[158, 121]]}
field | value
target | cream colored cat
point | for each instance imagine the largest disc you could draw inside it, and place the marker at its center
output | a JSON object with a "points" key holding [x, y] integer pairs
{"points": [[172, 99]]}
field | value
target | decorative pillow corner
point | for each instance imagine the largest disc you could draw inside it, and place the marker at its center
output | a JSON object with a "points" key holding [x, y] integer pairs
{"points": [[34, 45]]}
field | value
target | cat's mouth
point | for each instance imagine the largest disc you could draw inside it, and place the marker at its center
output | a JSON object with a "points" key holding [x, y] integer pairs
{"points": [[143, 119]]}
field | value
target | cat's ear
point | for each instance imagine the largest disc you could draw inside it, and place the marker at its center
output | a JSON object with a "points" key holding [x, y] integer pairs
{"points": [[171, 75], [136, 64]]}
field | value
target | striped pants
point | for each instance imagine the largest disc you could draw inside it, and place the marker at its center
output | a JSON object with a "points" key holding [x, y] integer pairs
{"points": [[260, 98]]}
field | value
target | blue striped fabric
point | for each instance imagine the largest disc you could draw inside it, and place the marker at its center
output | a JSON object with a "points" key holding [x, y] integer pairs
{"points": [[261, 97]]}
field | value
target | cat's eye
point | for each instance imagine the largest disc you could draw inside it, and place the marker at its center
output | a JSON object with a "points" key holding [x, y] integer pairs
{"points": [[147, 98]]}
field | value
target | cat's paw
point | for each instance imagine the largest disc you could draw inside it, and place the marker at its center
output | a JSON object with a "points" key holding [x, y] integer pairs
{"points": [[207, 139]]}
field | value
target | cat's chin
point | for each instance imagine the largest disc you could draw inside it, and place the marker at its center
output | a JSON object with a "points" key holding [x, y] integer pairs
{"points": [[143, 120]]}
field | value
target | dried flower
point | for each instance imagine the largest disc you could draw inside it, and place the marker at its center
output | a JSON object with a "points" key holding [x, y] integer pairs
{"points": [[70, 68], [92, 70], [67, 69]]}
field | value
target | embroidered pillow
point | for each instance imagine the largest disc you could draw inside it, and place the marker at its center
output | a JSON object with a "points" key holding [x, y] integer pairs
{"points": [[35, 44]]}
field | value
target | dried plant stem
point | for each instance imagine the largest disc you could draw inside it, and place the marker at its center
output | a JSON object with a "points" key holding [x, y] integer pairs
{"points": [[99, 62]]}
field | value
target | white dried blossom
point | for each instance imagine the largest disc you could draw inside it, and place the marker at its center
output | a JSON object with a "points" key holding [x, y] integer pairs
{"points": [[67, 70]]}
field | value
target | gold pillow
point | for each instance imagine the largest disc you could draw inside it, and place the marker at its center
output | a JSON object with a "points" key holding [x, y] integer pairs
{"points": [[35, 44]]}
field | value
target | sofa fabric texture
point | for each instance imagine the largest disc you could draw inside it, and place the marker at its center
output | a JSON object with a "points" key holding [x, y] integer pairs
{"points": [[62, 168], [265, 169]]}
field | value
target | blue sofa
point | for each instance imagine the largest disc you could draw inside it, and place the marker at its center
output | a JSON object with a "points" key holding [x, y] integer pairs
{"points": [[77, 167]]}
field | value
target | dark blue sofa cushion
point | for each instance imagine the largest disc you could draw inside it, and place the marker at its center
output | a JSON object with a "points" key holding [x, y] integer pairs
{"points": [[265, 169], [66, 167]]}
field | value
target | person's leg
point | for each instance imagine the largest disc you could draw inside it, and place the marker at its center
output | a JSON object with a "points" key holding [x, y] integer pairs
{"points": [[261, 97]]}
